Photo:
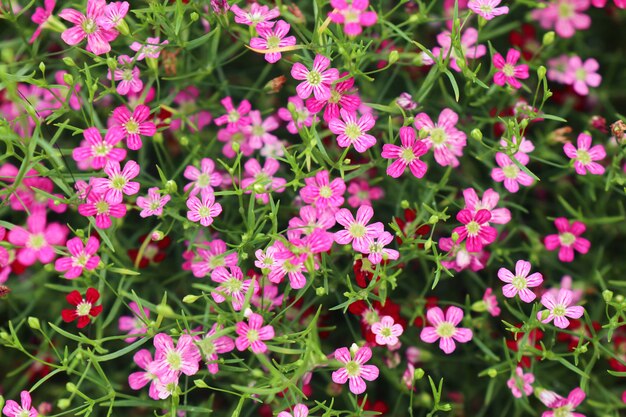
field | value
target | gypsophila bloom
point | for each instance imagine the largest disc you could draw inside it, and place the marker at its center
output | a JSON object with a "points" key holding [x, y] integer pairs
{"points": [[585, 155], [84, 307], [253, 333], [510, 174], [520, 282], [377, 252], [212, 255], [97, 151], [89, 26], [568, 239], [487, 8], [135, 324], [361, 193], [564, 16], [509, 72], [322, 192], [261, 180], [352, 130], [582, 75], [562, 407], [101, 209], [118, 181], [210, 346], [271, 38], [521, 382], [256, 16], [341, 97], [357, 230], [41, 16], [559, 307], [489, 201], [386, 331], [406, 155], [519, 149], [170, 361], [443, 137], [235, 118], [127, 75], [132, 126], [35, 243], [354, 369], [203, 179], [491, 302], [25, 409], [138, 380], [233, 285], [300, 410], [476, 229], [468, 45], [114, 14], [203, 211], [316, 81], [151, 49], [444, 328], [153, 203], [353, 15], [405, 101], [82, 257]]}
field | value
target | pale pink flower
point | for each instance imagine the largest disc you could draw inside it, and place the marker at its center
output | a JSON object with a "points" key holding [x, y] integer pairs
{"points": [[356, 230], [519, 150], [386, 331], [322, 192], [310, 220], [271, 38], [489, 201], [340, 98], [41, 16], [114, 13], [352, 130], [25, 409], [510, 174], [559, 308], [557, 68], [253, 334], [269, 298], [101, 209], [257, 15], [138, 380], [88, 26], [204, 179], [210, 346], [568, 239], [235, 118], [36, 242], [127, 75], [135, 324], [491, 302], [170, 361], [509, 72], [521, 382], [98, 151], [203, 211], [300, 410], [582, 75], [131, 126], [302, 115], [563, 16], [405, 101], [475, 229], [354, 369], [406, 155], [562, 407], [445, 328], [353, 15], [150, 49], [118, 181], [520, 282], [487, 8], [316, 81], [566, 283], [443, 137], [81, 257], [212, 255], [262, 180], [377, 252], [585, 155], [468, 46], [259, 128], [153, 203], [232, 285], [361, 193]]}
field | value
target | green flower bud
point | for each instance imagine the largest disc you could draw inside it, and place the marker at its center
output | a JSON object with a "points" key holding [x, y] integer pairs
{"points": [[455, 236], [165, 310], [433, 219], [479, 306], [418, 374], [393, 57], [476, 134], [548, 38], [607, 295], [541, 72], [445, 407], [190, 299], [68, 78], [404, 204], [69, 61], [492, 373], [320, 291], [63, 403], [70, 387], [33, 323], [171, 187], [42, 67], [428, 244], [619, 298], [194, 16]]}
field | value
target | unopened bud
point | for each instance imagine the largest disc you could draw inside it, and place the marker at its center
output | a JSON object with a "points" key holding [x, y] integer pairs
{"points": [[171, 187], [68, 79], [393, 57], [541, 72], [433, 219], [157, 236], [476, 134], [42, 67], [190, 299], [404, 204], [455, 236], [548, 38], [194, 16], [63, 403], [69, 61], [165, 310], [33, 323], [492, 373], [70, 387], [607, 295], [320, 291]]}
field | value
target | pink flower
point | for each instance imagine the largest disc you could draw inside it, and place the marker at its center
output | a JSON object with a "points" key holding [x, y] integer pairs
{"points": [[405, 101], [582, 75], [286, 263], [562, 407], [585, 155], [212, 255], [476, 229], [386, 331], [406, 155], [103, 210], [459, 258], [352, 130], [261, 180], [316, 81], [491, 302], [271, 38], [204, 179], [170, 361], [203, 211], [151, 49], [557, 67], [568, 239], [468, 46], [444, 328], [566, 283], [357, 231], [113, 14], [377, 251], [135, 324], [509, 72], [446, 140], [82, 257], [487, 8], [138, 380], [89, 26], [310, 220], [559, 308], [353, 15], [252, 334], [128, 76], [521, 382], [210, 346], [258, 130], [339, 99], [131, 126], [510, 174], [153, 203], [35, 243], [302, 115], [361, 193], [99, 151], [41, 16], [488, 202], [323, 193], [564, 16], [354, 370], [520, 282], [232, 285], [25, 409], [235, 118], [300, 410], [519, 149], [256, 16], [118, 181]]}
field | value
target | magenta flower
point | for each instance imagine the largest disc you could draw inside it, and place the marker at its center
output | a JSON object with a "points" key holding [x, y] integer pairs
{"points": [[585, 155], [339, 99], [559, 307], [377, 252], [89, 26], [204, 179], [406, 155], [509, 72], [362, 193], [35, 243], [300, 410], [386, 331], [459, 258], [253, 333], [151, 49], [520, 282], [232, 285], [113, 14], [302, 115], [259, 128], [323, 193], [118, 181], [138, 380], [353, 15], [445, 328], [25, 409], [510, 174], [488, 202], [262, 180], [405, 101], [521, 382], [582, 75], [153, 203], [316, 81], [170, 361], [519, 150], [212, 255], [127, 75], [82, 257], [286, 263], [131, 126], [491, 302], [256, 16], [41, 16], [487, 8], [562, 407], [203, 211], [475, 229], [354, 370], [564, 16], [135, 324], [235, 118], [568, 239], [352, 130], [210, 346], [103, 210], [271, 38], [97, 151], [357, 231], [446, 140], [468, 46]]}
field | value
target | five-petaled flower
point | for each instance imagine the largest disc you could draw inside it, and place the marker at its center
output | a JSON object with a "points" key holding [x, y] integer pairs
{"points": [[520, 282], [352, 130], [81, 257], [354, 369], [203, 210], [509, 73], [568, 239], [406, 155], [585, 155], [25, 409], [444, 328], [253, 333], [386, 331], [559, 307], [84, 307], [475, 229], [315, 81], [357, 230]]}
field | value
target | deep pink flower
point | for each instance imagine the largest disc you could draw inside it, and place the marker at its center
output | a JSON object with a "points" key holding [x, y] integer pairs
{"points": [[212, 255], [468, 46], [445, 328], [131, 126], [88, 26], [377, 252], [488, 202], [101, 209], [519, 150], [521, 382], [316, 81], [322, 192], [25, 409], [559, 308], [286, 263], [235, 118], [568, 239], [127, 75], [262, 180], [510, 174], [82, 257], [151, 49], [491, 302], [193, 117], [256, 16], [487, 8], [153, 203], [302, 115], [205, 210], [476, 229], [35, 243], [354, 369], [41, 16], [170, 361], [138, 380], [459, 258], [98, 151], [386, 331], [582, 75], [353, 15], [210, 346], [271, 38], [563, 16], [135, 324], [357, 230], [84, 307], [443, 137], [340, 98], [204, 179], [562, 407], [406, 155], [253, 333], [585, 155], [520, 282], [114, 13], [118, 181], [232, 285], [352, 130], [509, 72], [300, 410], [259, 128], [310, 220]]}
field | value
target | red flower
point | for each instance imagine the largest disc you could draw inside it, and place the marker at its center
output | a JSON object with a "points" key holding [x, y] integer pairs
{"points": [[153, 253], [526, 40], [534, 337], [409, 228], [84, 307]]}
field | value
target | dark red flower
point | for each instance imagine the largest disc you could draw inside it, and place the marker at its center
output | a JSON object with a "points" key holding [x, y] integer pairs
{"points": [[408, 228], [533, 339], [85, 307], [526, 40], [154, 252]]}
